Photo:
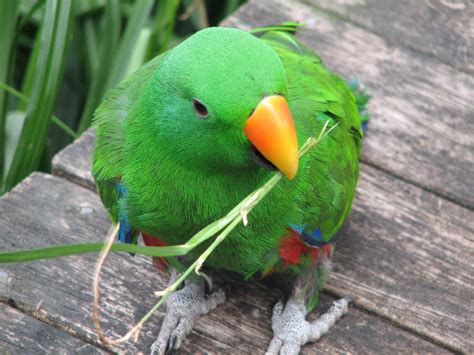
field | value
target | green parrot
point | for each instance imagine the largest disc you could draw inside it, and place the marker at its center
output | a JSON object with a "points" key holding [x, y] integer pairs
{"points": [[185, 138]]}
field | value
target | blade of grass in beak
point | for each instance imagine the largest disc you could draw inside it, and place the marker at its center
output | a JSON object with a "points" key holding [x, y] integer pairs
{"points": [[75, 249], [223, 225], [55, 33]]}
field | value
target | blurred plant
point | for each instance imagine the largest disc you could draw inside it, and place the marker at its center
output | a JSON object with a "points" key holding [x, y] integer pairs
{"points": [[59, 57]]}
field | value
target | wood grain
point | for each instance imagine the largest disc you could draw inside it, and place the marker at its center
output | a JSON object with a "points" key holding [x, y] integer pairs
{"points": [[74, 161], [46, 210], [443, 29], [22, 334], [408, 255]]}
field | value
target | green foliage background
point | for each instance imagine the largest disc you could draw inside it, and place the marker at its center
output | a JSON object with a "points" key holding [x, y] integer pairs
{"points": [[59, 57]]}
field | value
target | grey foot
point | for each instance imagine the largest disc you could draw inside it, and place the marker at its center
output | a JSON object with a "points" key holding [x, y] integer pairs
{"points": [[183, 308], [291, 331]]}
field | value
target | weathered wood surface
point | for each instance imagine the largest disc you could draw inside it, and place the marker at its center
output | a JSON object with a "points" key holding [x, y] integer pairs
{"points": [[23, 334], [443, 29], [422, 110], [74, 161], [46, 210]]}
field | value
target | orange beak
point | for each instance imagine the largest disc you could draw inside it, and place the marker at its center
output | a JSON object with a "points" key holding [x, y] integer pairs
{"points": [[271, 130]]}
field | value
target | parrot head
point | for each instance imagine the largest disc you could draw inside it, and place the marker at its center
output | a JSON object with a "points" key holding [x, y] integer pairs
{"points": [[218, 103]]}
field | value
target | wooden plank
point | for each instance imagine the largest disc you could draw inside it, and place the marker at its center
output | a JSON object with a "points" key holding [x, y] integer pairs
{"points": [[22, 334], [422, 110], [74, 161], [45, 210], [444, 29], [408, 255]]}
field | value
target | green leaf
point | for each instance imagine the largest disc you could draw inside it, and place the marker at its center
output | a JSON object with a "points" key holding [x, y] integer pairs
{"points": [[55, 33], [109, 40], [8, 17], [137, 20], [196, 9], [13, 124], [87, 7], [91, 45], [163, 26], [24, 98], [30, 13], [231, 6], [137, 57], [28, 79], [75, 249]]}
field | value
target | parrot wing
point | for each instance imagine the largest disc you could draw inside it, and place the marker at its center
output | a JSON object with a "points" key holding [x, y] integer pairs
{"points": [[108, 157], [317, 95]]}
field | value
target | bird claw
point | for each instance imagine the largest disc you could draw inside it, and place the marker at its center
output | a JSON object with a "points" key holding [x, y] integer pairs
{"points": [[170, 345], [183, 309], [291, 330]]}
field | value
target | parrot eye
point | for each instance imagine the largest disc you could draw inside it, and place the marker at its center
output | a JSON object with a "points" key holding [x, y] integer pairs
{"points": [[200, 109]]}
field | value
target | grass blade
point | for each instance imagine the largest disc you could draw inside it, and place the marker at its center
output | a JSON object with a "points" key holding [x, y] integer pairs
{"points": [[137, 20], [225, 224], [54, 119], [163, 26], [55, 33], [198, 13], [91, 46], [138, 55], [13, 124], [231, 6], [29, 15], [28, 79], [75, 249], [109, 40], [8, 17]]}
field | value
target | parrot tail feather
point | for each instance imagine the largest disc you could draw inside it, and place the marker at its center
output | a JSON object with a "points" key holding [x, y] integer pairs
{"points": [[362, 97], [289, 27]]}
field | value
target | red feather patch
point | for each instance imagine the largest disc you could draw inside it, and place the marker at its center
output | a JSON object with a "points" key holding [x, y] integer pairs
{"points": [[151, 241], [292, 248]]}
